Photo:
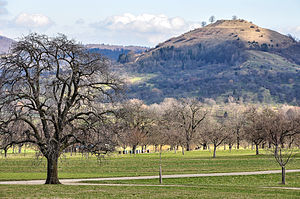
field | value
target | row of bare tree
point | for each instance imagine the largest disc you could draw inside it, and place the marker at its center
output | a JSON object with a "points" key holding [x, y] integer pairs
{"points": [[188, 122]]}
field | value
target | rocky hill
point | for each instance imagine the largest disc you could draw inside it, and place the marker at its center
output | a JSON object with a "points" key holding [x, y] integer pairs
{"points": [[226, 60]]}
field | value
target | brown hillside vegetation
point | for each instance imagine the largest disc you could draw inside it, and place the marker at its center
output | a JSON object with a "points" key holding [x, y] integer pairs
{"points": [[230, 30]]}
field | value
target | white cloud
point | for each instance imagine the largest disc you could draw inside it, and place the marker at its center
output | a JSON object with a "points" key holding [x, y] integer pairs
{"points": [[32, 20], [148, 27], [144, 23]]}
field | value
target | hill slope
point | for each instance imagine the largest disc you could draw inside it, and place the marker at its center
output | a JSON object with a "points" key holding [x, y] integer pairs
{"points": [[114, 51], [227, 60], [5, 44]]}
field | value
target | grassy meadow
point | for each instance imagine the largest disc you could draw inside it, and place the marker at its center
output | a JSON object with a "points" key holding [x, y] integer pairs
{"points": [[25, 167]]}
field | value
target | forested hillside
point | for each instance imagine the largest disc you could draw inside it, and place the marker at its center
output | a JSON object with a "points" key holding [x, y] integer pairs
{"points": [[113, 52], [227, 60]]}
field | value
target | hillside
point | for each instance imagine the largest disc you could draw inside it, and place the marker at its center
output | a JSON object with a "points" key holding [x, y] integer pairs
{"points": [[114, 51], [227, 60], [230, 30], [5, 44]]}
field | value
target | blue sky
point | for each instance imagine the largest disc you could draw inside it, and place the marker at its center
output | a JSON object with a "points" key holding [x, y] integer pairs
{"points": [[138, 22]]}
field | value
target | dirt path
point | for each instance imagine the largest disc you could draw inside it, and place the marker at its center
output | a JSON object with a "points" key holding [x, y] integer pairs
{"points": [[77, 181]]}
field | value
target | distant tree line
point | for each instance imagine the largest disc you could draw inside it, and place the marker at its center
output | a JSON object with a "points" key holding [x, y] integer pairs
{"points": [[193, 125]]}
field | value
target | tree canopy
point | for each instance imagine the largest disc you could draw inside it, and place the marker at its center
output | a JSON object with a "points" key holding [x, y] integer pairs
{"points": [[58, 92]]}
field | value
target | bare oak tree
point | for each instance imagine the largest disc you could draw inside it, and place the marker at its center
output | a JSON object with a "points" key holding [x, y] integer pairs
{"points": [[280, 127], [58, 90], [235, 122], [187, 116], [254, 127], [215, 131], [136, 121]]}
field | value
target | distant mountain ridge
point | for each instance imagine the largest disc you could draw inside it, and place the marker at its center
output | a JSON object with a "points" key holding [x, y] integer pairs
{"points": [[113, 52], [229, 59], [5, 44]]}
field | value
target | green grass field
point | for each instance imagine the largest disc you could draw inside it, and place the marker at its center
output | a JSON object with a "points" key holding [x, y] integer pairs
{"points": [[20, 167], [268, 180], [206, 191]]}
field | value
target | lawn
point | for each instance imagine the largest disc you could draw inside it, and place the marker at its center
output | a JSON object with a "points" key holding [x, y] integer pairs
{"points": [[266, 180], [19, 167], [201, 191]]}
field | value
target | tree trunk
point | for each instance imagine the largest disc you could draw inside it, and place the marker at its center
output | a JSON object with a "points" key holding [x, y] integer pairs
{"points": [[215, 149], [20, 148], [256, 149], [175, 149], [5, 152], [182, 149], [204, 146], [282, 175], [160, 170], [134, 149], [270, 145], [52, 165], [238, 142], [230, 147], [188, 146], [276, 150]]}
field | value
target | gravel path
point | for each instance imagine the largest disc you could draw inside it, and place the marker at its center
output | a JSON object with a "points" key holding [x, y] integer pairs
{"points": [[76, 181]]}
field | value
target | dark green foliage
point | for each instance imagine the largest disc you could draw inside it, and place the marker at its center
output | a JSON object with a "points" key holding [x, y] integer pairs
{"points": [[264, 47], [111, 54], [189, 57], [291, 53], [126, 57]]}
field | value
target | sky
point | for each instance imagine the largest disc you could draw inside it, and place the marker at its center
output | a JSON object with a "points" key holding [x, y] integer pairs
{"points": [[138, 22]]}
